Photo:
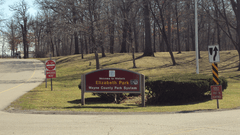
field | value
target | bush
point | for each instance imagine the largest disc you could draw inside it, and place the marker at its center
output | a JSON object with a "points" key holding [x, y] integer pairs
{"points": [[181, 89]]}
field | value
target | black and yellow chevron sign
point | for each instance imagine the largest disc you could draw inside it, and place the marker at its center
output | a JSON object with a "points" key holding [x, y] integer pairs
{"points": [[215, 73]]}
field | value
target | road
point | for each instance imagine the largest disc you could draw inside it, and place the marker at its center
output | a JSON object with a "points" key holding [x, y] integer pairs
{"points": [[19, 76]]}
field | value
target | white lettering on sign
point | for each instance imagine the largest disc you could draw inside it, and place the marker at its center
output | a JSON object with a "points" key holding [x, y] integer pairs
{"points": [[93, 88], [130, 88], [106, 88], [100, 78], [119, 78], [51, 72], [51, 65], [217, 97], [117, 88]]}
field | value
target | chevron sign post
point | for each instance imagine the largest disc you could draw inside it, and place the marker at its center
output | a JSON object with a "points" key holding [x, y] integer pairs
{"points": [[214, 57], [215, 73]]}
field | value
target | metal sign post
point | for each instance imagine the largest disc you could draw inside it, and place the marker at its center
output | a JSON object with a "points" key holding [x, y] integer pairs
{"points": [[196, 38], [46, 77], [51, 78]]}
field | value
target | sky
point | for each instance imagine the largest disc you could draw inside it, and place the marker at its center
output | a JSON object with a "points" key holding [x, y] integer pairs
{"points": [[5, 10], [7, 14]]}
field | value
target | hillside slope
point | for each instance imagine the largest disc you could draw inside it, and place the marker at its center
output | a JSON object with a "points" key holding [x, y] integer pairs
{"points": [[66, 95]]}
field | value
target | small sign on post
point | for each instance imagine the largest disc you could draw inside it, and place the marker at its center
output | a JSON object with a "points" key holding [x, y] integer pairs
{"points": [[216, 91], [50, 70], [213, 53]]}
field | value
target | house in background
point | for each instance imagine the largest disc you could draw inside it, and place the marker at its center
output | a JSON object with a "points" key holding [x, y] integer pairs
{"points": [[31, 54]]}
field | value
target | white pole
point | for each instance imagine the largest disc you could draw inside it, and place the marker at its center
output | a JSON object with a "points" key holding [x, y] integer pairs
{"points": [[3, 44], [2, 51], [196, 38]]}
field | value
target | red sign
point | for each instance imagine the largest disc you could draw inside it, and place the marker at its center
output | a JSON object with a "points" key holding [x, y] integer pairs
{"points": [[112, 80], [50, 65], [216, 91], [50, 69], [51, 74]]}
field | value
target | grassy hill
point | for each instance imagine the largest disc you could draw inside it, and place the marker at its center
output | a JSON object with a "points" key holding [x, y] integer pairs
{"points": [[66, 95]]}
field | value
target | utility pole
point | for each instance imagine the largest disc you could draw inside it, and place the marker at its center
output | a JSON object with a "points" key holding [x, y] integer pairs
{"points": [[196, 38], [2, 45]]}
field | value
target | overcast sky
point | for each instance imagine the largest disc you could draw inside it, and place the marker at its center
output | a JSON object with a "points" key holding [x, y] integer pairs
{"points": [[8, 14]]}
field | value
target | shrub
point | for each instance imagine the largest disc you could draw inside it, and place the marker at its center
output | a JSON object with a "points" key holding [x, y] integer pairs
{"points": [[180, 89]]}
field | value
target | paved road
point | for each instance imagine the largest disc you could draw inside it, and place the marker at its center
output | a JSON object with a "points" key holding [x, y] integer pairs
{"points": [[200, 123], [18, 76]]}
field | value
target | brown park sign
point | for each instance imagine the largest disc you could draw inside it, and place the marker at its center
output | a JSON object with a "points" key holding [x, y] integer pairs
{"points": [[113, 80]]}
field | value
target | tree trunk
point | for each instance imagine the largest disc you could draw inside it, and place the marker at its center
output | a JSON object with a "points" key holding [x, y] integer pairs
{"points": [[208, 33], [52, 47], [111, 32], [169, 29], [76, 43], [133, 56], [74, 13], [148, 44], [159, 42], [57, 43], [111, 29], [154, 36], [24, 34], [178, 38], [71, 45], [135, 36], [81, 41], [86, 45], [193, 38], [97, 59], [218, 31], [238, 59], [188, 28], [103, 51], [187, 42], [124, 34]]}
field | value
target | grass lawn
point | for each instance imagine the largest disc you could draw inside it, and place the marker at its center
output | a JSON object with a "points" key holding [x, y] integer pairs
{"points": [[66, 95]]}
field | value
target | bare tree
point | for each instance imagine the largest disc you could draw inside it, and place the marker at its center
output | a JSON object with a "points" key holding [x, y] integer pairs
{"points": [[224, 15], [12, 35], [21, 15], [161, 23]]}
